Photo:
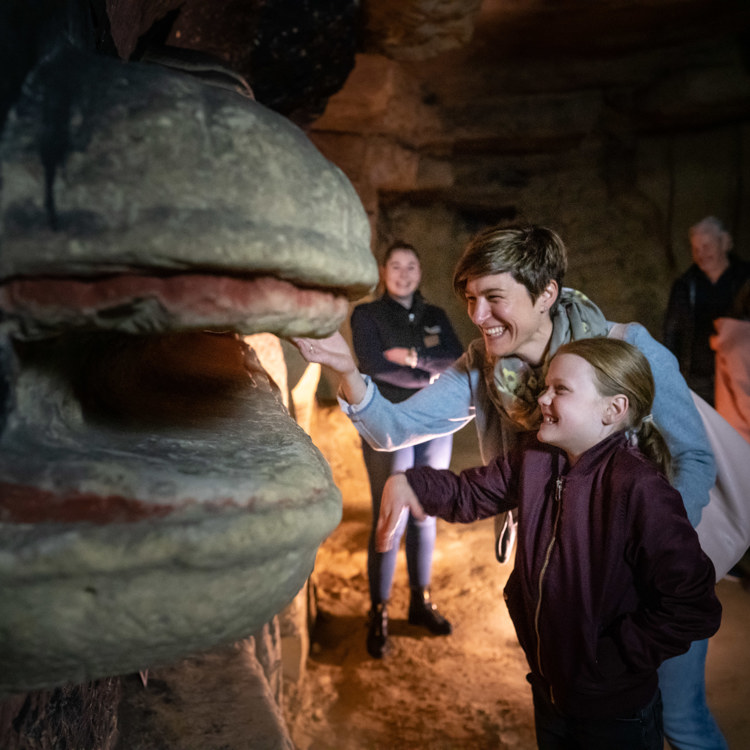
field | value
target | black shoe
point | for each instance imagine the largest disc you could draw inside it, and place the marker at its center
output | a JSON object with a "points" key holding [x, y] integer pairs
{"points": [[377, 631], [424, 613]]}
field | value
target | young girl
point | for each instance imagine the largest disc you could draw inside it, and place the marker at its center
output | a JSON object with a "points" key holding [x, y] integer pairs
{"points": [[609, 577]]}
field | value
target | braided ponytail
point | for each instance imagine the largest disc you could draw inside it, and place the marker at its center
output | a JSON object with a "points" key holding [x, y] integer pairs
{"points": [[652, 444]]}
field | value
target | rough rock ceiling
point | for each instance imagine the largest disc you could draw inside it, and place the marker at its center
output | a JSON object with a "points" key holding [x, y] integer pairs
{"points": [[579, 28], [298, 53]]}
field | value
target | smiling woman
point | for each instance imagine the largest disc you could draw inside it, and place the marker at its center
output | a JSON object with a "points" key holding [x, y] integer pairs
{"points": [[403, 343], [500, 393], [509, 320]]}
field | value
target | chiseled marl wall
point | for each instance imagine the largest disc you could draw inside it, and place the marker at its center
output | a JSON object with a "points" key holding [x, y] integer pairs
{"points": [[620, 156]]}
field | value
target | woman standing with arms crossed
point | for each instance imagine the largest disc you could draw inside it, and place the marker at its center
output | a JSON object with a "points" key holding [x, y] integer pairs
{"points": [[511, 279], [403, 344]]}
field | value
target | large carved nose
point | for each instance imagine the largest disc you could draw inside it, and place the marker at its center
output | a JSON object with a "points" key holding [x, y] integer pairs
{"points": [[156, 498]]}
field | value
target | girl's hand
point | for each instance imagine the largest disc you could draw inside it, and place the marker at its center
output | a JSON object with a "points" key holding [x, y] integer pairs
{"points": [[398, 498]]}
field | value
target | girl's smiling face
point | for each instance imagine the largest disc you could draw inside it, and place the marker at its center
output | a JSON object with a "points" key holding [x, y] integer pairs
{"points": [[575, 417]]}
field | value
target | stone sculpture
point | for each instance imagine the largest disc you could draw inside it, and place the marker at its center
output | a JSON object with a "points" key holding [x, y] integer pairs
{"points": [[155, 497]]}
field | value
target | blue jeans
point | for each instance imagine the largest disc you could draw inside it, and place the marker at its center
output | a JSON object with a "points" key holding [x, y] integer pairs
{"points": [[420, 535], [688, 723], [555, 731]]}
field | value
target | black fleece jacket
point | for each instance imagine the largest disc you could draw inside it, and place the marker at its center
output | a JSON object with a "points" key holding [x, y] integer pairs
{"points": [[385, 324]]}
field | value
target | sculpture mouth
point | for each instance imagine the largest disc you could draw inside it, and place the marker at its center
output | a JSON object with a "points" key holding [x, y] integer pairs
{"points": [[155, 500], [130, 429]]}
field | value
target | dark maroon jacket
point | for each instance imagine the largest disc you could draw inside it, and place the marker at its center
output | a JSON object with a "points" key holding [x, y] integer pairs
{"points": [[609, 576]]}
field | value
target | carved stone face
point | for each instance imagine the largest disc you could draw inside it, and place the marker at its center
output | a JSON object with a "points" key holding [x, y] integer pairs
{"points": [[155, 496]]}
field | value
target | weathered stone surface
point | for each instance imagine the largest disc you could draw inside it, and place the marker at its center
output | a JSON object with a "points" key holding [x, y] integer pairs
{"points": [[147, 171], [71, 717], [156, 498], [295, 53], [418, 29], [176, 508], [231, 695], [302, 54], [129, 20]]}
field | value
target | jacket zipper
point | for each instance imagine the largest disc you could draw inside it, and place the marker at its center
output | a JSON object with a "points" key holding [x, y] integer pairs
{"points": [[558, 499]]}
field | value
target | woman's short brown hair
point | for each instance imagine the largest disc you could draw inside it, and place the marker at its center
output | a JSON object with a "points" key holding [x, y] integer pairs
{"points": [[532, 255]]}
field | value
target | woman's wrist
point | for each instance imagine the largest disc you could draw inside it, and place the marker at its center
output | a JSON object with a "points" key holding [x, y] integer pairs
{"points": [[352, 386]]}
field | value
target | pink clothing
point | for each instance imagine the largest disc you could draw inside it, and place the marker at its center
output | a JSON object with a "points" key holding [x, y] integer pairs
{"points": [[731, 342]]}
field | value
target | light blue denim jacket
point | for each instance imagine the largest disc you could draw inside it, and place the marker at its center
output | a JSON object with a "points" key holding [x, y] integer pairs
{"points": [[460, 395]]}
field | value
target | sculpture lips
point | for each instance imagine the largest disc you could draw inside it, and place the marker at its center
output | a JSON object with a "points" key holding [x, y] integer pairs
{"points": [[134, 185], [29, 504], [140, 303]]}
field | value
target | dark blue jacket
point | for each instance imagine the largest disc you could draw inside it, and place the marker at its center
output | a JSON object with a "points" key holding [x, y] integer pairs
{"points": [[385, 324]]}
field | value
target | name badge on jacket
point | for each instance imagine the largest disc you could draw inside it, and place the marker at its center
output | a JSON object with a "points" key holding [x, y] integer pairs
{"points": [[431, 336]]}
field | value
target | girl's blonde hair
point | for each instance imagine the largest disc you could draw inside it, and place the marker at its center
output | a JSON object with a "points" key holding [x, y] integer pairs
{"points": [[621, 368]]}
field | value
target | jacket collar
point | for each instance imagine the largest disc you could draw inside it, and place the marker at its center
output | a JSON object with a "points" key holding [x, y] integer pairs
{"points": [[594, 455], [417, 302]]}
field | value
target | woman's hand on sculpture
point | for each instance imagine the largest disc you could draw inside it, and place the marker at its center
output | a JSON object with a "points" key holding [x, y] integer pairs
{"points": [[397, 498], [334, 353]]}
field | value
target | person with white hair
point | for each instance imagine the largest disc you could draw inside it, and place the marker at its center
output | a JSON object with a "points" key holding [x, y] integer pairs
{"points": [[699, 296]]}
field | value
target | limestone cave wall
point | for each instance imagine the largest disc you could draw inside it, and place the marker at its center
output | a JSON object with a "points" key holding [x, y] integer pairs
{"points": [[619, 132]]}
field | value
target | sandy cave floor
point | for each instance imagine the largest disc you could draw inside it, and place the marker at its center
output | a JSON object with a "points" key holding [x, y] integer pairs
{"points": [[466, 691]]}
